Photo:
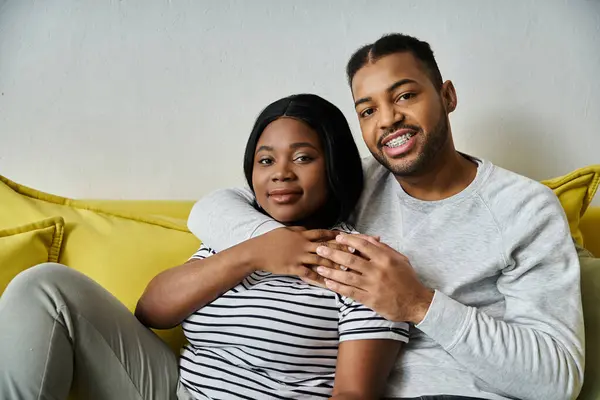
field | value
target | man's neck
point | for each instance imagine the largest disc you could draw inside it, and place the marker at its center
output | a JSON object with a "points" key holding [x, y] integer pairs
{"points": [[450, 175]]}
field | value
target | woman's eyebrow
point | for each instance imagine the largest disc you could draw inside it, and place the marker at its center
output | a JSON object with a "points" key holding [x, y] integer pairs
{"points": [[261, 148], [302, 144]]}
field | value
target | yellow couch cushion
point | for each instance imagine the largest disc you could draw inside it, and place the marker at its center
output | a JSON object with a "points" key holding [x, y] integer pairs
{"points": [[172, 209], [122, 251], [575, 192], [24, 246]]}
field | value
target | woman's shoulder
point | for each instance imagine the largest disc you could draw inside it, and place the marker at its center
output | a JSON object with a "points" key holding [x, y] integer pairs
{"points": [[203, 251], [345, 227]]}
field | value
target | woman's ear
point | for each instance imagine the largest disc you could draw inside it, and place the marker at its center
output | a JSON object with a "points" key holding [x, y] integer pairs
{"points": [[449, 96]]}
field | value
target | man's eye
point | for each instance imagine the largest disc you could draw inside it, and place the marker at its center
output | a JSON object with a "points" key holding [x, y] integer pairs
{"points": [[265, 161], [367, 112], [406, 96]]}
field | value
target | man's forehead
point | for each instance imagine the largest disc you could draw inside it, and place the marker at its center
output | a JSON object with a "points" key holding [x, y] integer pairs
{"points": [[376, 77]]}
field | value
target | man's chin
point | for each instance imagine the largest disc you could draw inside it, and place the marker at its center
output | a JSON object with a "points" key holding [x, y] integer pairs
{"points": [[404, 165]]}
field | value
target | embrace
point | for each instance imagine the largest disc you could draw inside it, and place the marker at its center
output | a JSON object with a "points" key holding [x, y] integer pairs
{"points": [[417, 273]]}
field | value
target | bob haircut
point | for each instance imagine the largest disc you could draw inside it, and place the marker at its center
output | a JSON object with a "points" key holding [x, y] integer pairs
{"points": [[342, 159]]}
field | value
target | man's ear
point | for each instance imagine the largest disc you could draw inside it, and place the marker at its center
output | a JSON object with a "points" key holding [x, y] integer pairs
{"points": [[449, 96]]}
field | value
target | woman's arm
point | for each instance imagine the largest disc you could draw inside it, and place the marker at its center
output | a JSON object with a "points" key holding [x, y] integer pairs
{"points": [[363, 367], [177, 292]]}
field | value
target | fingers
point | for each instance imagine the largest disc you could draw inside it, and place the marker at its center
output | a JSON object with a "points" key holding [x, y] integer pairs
{"points": [[320, 282], [373, 239], [307, 274], [348, 260], [332, 244], [311, 259], [319, 235], [347, 278], [353, 293], [347, 284], [367, 246]]}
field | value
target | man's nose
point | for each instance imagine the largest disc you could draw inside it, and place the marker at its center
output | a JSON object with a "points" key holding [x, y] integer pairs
{"points": [[389, 116]]}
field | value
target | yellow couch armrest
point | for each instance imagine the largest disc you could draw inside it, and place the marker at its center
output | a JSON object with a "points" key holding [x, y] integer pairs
{"points": [[590, 227]]}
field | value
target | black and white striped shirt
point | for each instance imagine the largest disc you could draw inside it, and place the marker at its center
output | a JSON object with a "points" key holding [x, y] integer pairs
{"points": [[273, 337]]}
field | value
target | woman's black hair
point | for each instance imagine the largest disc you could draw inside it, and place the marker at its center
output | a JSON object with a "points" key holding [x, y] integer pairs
{"points": [[342, 159]]}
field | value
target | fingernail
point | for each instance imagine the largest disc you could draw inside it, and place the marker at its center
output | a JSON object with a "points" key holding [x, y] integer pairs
{"points": [[339, 237], [351, 249], [322, 250], [329, 283], [320, 270]]}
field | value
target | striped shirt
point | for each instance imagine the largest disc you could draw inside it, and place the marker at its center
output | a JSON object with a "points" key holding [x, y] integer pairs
{"points": [[273, 337]]}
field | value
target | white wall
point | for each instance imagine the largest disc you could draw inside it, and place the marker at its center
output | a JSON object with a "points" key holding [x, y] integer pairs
{"points": [[155, 99]]}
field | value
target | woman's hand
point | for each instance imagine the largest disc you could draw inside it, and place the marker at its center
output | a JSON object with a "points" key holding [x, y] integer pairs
{"points": [[333, 244], [290, 251]]}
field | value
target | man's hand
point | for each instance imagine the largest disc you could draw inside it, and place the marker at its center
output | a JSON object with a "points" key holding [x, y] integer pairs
{"points": [[334, 244], [290, 251], [384, 281]]}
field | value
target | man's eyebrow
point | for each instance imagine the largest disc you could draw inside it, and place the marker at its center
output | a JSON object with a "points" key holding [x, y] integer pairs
{"points": [[360, 101], [301, 144], [401, 82], [393, 87]]}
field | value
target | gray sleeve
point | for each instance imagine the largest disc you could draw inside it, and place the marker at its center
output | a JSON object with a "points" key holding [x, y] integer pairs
{"points": [[537, 350], [227, 217]]}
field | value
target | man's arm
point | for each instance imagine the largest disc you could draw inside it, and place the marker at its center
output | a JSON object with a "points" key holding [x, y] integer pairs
{"points": [[537, 350], [227, 217]]}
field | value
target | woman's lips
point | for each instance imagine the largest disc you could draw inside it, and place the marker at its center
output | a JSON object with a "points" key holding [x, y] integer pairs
{"points": [[285, 196]]}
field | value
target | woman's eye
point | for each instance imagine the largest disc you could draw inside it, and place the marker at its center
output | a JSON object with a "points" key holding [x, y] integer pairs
{"points": [[367, 112], [265, 161], [303, 159]]}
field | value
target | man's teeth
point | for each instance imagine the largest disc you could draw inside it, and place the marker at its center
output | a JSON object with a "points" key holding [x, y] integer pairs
{"points": [[400, 140]]}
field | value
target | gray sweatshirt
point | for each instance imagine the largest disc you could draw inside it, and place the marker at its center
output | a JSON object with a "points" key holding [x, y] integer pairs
{"points": [[506, 318]]}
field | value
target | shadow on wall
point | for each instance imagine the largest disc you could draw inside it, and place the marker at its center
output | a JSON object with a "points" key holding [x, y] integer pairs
{"points": [[520, 142]]}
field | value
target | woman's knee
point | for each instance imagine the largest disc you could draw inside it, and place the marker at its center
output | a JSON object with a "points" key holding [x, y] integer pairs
{"points": [[46, 275]]}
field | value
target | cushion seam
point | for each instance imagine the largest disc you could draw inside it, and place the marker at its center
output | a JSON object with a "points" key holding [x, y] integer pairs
{"points": [[55, 246]]}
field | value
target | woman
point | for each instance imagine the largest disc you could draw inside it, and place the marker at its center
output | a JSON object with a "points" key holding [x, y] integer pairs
{"points": [[254, 333], [261, 332]]}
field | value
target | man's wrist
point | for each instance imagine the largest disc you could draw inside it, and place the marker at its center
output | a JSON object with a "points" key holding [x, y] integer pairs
{"points": [[421, 306]]}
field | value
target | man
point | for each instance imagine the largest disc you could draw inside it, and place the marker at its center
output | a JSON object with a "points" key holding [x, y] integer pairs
{"points": [[478, 259]]}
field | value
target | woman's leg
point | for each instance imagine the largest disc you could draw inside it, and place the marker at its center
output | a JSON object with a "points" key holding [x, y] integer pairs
{"points": [[58, 326]]}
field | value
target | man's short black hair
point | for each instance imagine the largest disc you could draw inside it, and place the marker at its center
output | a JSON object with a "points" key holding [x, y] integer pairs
{"points": [[391, 44]]}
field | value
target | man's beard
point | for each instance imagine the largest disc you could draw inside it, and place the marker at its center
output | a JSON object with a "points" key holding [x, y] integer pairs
{"points": [[435, 141]]}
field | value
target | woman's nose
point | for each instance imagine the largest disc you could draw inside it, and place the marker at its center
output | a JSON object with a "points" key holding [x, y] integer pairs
{"points": [[283, 173]]}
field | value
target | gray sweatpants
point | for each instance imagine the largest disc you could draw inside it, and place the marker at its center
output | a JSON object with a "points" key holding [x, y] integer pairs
{"points": [[58, 328]]}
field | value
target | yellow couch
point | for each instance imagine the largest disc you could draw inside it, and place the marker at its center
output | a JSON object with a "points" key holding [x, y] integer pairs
{"points": [[123, 244]]}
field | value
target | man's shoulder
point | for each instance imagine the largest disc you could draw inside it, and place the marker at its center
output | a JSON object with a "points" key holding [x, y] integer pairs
{"points": [[377, 183], [375, 175], [372, 168], [509, 194]]}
